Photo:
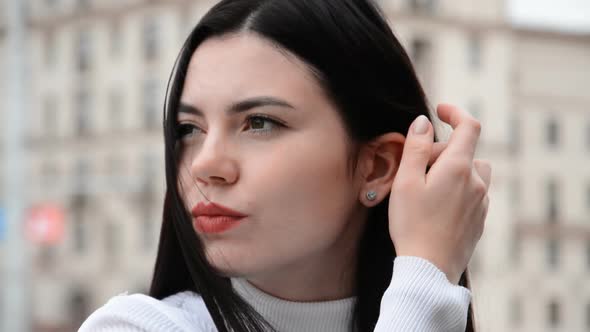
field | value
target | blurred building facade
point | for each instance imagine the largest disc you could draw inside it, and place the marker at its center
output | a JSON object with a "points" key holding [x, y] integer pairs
{"points": [[551, 189], [2, 154], [528, 86], [96, 148], [99, 71]]}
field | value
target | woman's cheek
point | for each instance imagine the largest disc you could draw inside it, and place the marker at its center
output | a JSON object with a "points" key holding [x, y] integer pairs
{"points": [[307, 175]]}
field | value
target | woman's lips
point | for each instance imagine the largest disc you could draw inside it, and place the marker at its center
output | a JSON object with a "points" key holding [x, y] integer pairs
{"points": [[214, 209], [214, 218], [215, 224]]}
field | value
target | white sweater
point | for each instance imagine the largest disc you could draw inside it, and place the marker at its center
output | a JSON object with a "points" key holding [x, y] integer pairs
{"points": [[419, 298]]}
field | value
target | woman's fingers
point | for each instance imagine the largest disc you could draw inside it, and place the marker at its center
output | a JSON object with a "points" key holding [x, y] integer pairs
{"points": [[484, 170], [466, 131], [482, 218], [417, 150], [437, 149], [417, 224]]}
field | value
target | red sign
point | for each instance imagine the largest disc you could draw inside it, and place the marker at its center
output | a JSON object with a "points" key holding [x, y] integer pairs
{"points": [[45, 224]]}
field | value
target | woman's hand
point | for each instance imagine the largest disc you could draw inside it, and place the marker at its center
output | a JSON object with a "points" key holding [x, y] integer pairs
{"points": [[440, 215]]}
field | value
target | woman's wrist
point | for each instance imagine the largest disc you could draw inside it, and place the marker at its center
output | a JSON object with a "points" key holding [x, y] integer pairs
{"points": [[452, 274]]}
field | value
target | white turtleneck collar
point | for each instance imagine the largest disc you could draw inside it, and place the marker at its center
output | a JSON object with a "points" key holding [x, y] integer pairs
{"points": [[419, 298], [288, 316]]}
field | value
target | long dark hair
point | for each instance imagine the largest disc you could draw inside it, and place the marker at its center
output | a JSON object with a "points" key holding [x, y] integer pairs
{"points": [[364, 70]]}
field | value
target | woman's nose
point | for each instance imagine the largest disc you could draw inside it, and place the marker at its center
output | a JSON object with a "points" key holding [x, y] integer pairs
{"points": [[214, 164]]}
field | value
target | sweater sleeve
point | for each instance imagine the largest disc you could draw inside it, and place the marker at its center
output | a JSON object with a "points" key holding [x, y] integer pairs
{"points": [[139, 313], [421, 298]]}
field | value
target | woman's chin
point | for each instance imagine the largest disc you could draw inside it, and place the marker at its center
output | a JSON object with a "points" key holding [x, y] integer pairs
{"points": [[231, 267], [232, 271]]}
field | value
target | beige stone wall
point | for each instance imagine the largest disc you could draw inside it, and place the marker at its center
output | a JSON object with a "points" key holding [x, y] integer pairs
{"points": [[117, 139], [551, 83]]}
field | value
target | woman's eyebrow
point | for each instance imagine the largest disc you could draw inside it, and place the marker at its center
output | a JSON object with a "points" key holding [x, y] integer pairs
{"points": [[241, 106]]}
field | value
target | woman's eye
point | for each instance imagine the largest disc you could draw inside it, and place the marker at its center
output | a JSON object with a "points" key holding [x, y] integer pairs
{"points": [[262, 125], [186, 130]]}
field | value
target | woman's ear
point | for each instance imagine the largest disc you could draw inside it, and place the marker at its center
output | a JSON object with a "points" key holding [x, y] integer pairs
{"points": [[379, 161]]}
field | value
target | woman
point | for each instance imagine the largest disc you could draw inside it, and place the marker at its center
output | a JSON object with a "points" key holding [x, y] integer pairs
{"points": [[295, 201]]}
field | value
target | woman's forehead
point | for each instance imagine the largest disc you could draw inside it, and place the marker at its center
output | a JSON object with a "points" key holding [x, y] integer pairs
{"points": [[238, 66]]}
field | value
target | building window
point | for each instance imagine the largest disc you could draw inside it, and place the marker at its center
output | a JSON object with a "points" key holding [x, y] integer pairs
{"points": [[515, 192], [49, 48], [47, 257], [148, 199], [552, 132], [150, 39], [554, 313], [82, 177], [148, 233], [83, 51], [116, 109], [420, 53], [111, 240], [422, 6], [150, 104], [83, 113], [49, 175], [515, 248], [515, 314], [552, 252], [49, 117], [474, 51], [116, 37], [114, 174], [79, 207], [514, 127], [552, 201], [83, 4], [79, 306], [51, 3]]}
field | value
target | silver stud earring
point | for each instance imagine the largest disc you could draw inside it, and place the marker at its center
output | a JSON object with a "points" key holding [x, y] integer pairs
{"points": [[371, 195]]}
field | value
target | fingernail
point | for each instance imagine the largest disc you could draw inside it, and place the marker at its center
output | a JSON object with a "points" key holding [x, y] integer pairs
{"points": [[421, 125]]}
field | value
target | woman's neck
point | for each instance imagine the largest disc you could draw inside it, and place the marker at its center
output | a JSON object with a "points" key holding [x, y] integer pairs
{"points": [[324, 276], [284, 315], [308, 283]]}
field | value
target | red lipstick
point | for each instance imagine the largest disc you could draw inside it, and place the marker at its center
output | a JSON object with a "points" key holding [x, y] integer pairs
{"points": [[214, 218]]}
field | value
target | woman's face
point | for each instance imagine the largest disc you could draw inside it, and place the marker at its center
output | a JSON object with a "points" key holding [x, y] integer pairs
{"points": [[287, 173]]}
